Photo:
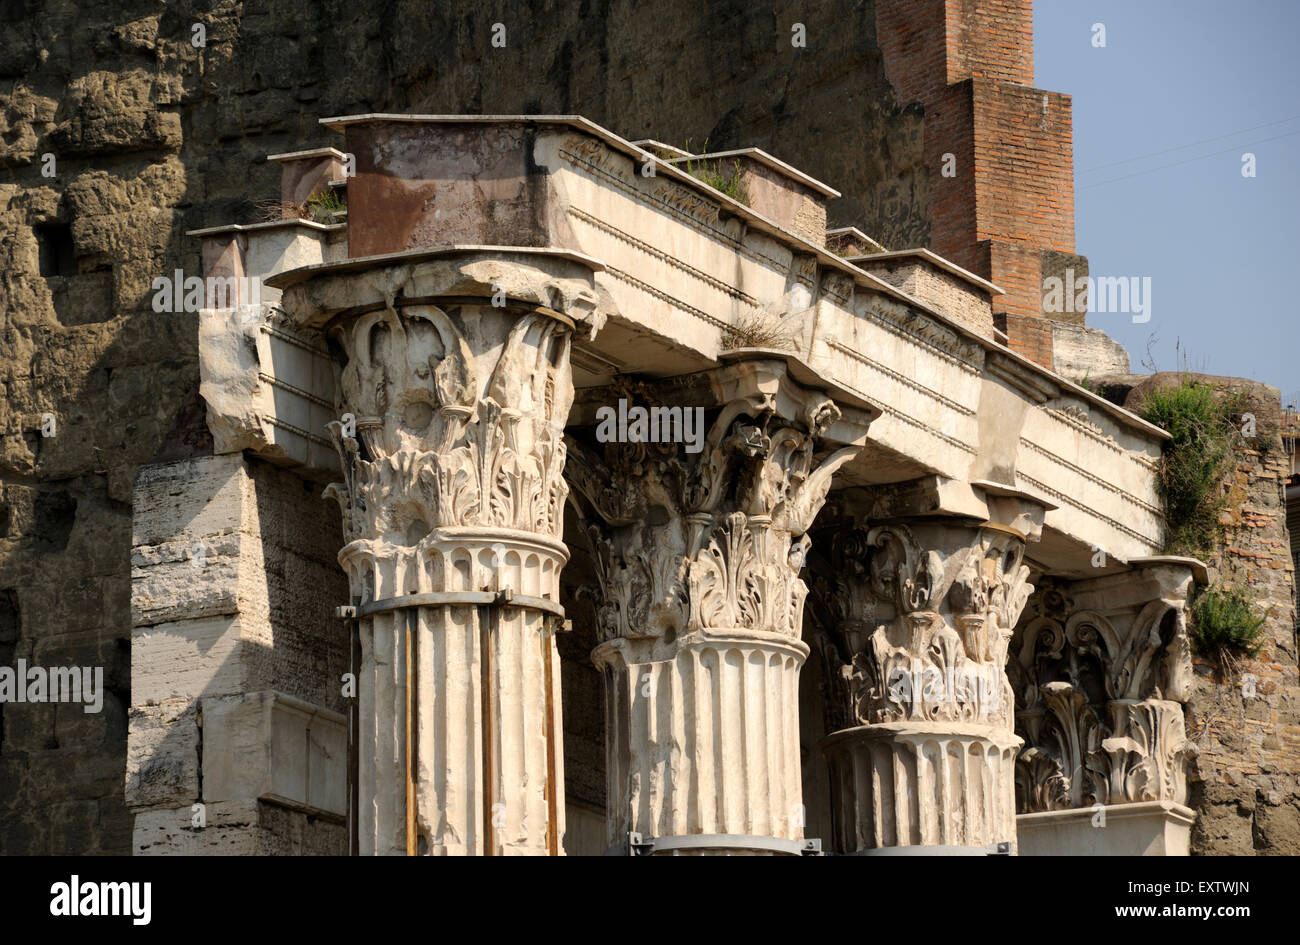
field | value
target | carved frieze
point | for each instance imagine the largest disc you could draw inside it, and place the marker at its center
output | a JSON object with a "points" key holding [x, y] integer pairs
{"points": [[948, 344]]}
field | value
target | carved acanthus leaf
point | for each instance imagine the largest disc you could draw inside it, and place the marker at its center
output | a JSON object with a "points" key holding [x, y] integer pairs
{"points": [[936, 650], [1094, 692], [426, 454], [739, 509]]}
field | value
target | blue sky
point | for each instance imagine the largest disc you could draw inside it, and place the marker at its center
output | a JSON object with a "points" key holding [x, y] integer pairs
{"points": [[1219, 248]]}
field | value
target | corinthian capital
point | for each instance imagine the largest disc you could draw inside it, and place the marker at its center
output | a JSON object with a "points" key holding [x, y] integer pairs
{"points": [[697, 545], [1101, 668], [929, 639], [710, 541], [455, 390]]}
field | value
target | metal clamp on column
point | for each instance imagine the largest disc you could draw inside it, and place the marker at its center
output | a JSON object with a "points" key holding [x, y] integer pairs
{"points": [[1002, 848], [505, 598], [637, 845], [634, 844]]}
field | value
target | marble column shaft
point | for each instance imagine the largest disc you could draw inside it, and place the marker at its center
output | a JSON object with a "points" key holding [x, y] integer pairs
{"points": [[452, 406], [700, 610]]}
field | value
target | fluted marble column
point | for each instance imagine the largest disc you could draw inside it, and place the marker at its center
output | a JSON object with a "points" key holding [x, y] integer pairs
{"points": [[921, 746], [700, 614], [453, 509]]}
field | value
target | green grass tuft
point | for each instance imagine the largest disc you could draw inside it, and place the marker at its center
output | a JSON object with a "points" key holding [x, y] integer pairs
{"points": [[326, 206], [730, 182]]}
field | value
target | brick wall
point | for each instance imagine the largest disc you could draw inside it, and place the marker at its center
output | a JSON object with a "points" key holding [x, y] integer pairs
{"points": [[913, 40], [1011, 200], [1024, 150], [1027, 335], [992, 39], [954, 218]]}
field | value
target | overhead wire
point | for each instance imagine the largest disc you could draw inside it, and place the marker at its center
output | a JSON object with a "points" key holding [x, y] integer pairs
{"points": [[1183, 147], [1201, 157]]}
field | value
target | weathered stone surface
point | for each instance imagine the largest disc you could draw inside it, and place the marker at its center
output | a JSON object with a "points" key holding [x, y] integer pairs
{"points": [[223, 546], [1080, 351], [237, 828], [1149, 828], [267, 745], [162, 759]]}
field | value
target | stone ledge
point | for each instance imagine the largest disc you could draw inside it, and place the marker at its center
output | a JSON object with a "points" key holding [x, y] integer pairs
{"points": [[272, 747], [1145, 828]]}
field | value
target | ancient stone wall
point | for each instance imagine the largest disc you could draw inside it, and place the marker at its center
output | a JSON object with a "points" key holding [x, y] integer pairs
{"points": [[1244, 720], [236, 688], [1246, 724], [152, 136]]}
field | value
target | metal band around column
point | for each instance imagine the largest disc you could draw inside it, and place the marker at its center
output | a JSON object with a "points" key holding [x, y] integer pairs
{"points": [[441, 598]]}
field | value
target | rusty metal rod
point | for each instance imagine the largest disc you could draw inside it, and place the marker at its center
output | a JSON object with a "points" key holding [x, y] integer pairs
{"points": [[552, 800]]}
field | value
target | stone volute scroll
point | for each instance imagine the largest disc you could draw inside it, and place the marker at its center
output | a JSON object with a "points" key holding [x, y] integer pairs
{"points": [[453, 391], [1102, 668], [700, 606]]}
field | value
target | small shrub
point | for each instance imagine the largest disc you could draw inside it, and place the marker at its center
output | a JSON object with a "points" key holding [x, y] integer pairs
{"points": [[731, 183], [1224, 622], [1201, 427], [326, 206]]}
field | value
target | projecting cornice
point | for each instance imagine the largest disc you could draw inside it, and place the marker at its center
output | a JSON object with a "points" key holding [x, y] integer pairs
{"points": [[824, 258]]}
